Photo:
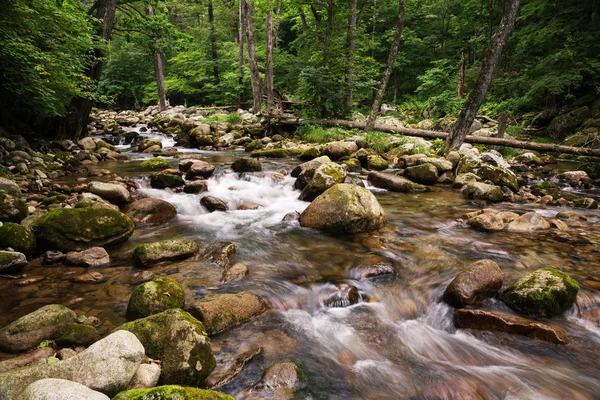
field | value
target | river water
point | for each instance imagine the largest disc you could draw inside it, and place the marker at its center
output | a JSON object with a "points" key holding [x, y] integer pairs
{"points": [[399, 341]]}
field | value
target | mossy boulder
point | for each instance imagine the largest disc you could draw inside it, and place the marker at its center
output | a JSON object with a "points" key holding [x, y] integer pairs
{"points": [[483, 191], [179, 341], [77, 229], [12, 209], [496, 170], [56, 199], [113, 192], [155, 164], [377, 163], [344, 208], [394, 183], [160, 294], [277, 153], [327, 175], [164, 250], [11, 260], [246, 165], [18, 237], [305, 171], [166, 181], [172, 392], [219, 312], [353, 165], [74, 334], [426, 174], [544, 293], [28, 331], [150, 211], [564, 124]]}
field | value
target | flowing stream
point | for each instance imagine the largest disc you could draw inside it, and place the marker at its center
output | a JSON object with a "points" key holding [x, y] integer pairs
{"points": [[399, 341]]}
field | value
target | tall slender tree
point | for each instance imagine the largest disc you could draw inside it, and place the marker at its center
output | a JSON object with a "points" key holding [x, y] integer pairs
{"points": [[254, 73], [389, 67], [484, 79], [159, 70], [269, 58]]}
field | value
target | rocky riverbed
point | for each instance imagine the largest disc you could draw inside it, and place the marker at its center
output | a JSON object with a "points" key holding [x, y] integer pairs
{"points": [[185, 254]]}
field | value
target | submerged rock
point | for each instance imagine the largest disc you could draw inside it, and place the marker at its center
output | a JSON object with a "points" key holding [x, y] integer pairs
{"points": [[158, 295], [150, 211], [28, 331], [219, 253], [342, 295], [164, 250], [219, 312], [544, 293], [344, 208], [18, 237], [236, 272], [514, 325], [60, 389], [487, 222], [394, 183], [477, 282], [212, 203], [76, 229], [179, 341], [529, 222], [172, 392]]}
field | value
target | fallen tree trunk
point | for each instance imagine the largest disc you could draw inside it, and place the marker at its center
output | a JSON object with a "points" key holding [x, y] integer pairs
{"points": [[546, 147]]}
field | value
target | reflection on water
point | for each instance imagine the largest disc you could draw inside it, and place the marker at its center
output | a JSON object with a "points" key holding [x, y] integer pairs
{"points": [[398, 341]]}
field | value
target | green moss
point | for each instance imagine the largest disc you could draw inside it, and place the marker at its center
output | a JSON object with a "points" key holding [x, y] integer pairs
{"points": [[377, 163], [57, 199], [310, 153], [353, 165], [254, 145], [155, 163], [171, 393], [160, 294], [163, 181], [18, 237], [76, 334], [277, 153], [170, 249], [12, 209]]}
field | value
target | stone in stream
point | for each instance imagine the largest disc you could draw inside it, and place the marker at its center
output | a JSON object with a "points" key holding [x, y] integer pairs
{"points": [[166, 181], [115, 193], [172, 392], [106, 366], [499, 322], [157, 163], [9, 187], [462, 179], [342, 295], [27, 332], [179, 341], [441, 164], [305, 171], [487, 222], [482, 191], [195, 187], [219, 312], [60, 389], [475, 283], [52, 257], [426, 174], [146, 376], [246, 164], [12, 209], [149, 145], [76, 229], [150, 211], [489, 166], [212, 203], [337, 150], [544, 293], [226, 372], [158, 295], [344, 208], [219, 253], [236, 272], [394, 183], [165, 250], [38, 356], [73, 334], [92, 257], [18, 237], [377, 163], [200, 169], [529, 222], [90, 277], [324, 177], [280, 380], [11, 260]]}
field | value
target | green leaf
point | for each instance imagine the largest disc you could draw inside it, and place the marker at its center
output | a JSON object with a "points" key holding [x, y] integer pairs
{"points": [[53, 360], [81, 318], [44, 343]]}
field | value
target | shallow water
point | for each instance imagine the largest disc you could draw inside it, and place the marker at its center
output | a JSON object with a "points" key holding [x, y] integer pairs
{"points": [[399, 342]]}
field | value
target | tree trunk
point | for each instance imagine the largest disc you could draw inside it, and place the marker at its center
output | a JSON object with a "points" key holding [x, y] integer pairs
{"points": [[484, 79], [254, 74], [388, 69], [328, 32], [136, 103], [213, 43], [269, 60], [74, 124], [461, 76], [159, 71], [351, 42], [502, 124], [241, 54]]}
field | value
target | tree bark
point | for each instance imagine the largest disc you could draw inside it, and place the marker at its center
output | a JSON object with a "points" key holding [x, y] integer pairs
{"points": [[74, 124], [269, 59], [159, 71], [241, 54], [213, 43], [351, 43], [484, 79], [389, 67], [461, 75], [254, 74]]}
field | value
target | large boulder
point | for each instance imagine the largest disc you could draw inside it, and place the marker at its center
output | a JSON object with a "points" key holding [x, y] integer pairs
{"points": [[89, 258], [499, 322], [150, 211], [12, 209], [394, 183], [305, 171], [565, 124], [337, 150], [74, 334], [441, 164], [160, 294], [164, 250], [200, 169], [246, 164], [179, 341], [528, 222], [11, 260], [27, 332], [219, 312], [426, 174], [489, 166], [87, 143], [76, 229], [166, 181], [18, 237], [344, 208], [9, 187], [487, 222], [60, 389], [477, 282], [106, 366], [544, 293], [483, 191], [327, 175], [172, 392], [112, 192], [150, 145]]}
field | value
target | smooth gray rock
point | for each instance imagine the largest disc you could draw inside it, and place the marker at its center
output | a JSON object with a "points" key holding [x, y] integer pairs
{"points": [[10, 260], [59, 389], [112, 192], [9, 187]]}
